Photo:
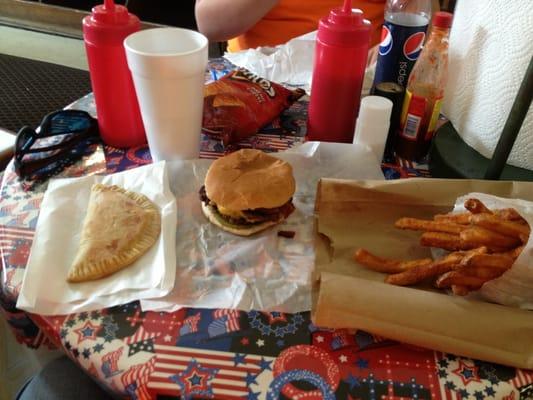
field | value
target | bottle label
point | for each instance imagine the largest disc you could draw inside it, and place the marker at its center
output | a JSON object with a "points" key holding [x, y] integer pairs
{"points": [[415, 121], [412, 115], [434, 118]]}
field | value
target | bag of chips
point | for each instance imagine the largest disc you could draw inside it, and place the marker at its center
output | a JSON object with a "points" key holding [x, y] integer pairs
{"points": [[240, 103]]}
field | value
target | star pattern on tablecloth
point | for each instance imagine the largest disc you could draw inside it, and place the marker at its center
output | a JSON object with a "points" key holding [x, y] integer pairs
{"points": [[87, 332], [362, 363], [265, 364], [443, 363], [195, 381], [275, 317], [86, 353], [83, 316], [352, 381], [467, 373], [98, 347], [253, 395], [110, 328], [142, 345], [251, 379], [289, 324], [70, 323], [490, 392], [239, 359]]}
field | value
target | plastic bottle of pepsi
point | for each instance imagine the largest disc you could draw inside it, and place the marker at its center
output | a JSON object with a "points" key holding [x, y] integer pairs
{"points": [[402, 38]]}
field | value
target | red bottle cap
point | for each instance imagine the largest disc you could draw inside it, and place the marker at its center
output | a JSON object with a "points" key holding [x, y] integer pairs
{"points": [[109, 23], [344, 27], [442, 19]]}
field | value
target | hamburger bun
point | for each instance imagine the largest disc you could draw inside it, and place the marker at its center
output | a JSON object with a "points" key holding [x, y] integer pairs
{"points": [[247, 191], [248, 179]]}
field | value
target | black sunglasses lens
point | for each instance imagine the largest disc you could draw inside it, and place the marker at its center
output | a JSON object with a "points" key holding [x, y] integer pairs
{"points": [[25, 138], [69, 122]]}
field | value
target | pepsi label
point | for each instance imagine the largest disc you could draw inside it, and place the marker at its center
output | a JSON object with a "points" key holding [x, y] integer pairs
{"points": [[399, 48]]}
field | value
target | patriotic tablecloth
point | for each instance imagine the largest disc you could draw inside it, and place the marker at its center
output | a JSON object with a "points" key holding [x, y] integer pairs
{"points": [[229, 354]]}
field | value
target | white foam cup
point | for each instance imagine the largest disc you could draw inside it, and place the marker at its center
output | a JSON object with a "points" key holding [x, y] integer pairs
{"points": [[168, 70]]}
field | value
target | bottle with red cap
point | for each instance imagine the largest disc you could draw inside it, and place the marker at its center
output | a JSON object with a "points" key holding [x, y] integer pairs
{"points": [[341, 53], [424, 93], [119, 117]]}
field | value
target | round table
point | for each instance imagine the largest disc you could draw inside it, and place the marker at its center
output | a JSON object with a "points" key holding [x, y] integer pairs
{"points": [[230, 354]]}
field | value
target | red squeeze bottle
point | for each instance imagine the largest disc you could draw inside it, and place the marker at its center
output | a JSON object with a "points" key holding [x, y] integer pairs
{"points": [[119, 117], [341, 54]]}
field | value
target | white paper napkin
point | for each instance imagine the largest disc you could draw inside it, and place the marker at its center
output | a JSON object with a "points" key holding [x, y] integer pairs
{"points": [[45, 289]]}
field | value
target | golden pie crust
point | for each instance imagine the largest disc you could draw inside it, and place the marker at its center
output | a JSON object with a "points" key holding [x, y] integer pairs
{"points": [[120, 226]]}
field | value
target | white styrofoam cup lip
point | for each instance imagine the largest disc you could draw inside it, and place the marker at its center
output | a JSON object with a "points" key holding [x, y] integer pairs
{"points": [[165, 42]]}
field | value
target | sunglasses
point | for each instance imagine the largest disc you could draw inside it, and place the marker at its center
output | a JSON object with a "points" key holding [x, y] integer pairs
{"points": [[62, 138]]}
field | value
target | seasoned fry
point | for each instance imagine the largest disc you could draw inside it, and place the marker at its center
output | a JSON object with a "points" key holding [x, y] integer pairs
{"points": [[483, 244], [497, 261], [425, 225], [477, 236], [498, 225], [446, 241], [481, 272], [476, 206], [390, 266], [510, 214], [457, 278], [418, 274], [514, 253], [459, 218]]}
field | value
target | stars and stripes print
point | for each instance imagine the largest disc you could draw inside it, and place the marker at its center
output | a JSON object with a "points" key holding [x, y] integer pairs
{"points": [[190, 324], [522, 378], [224, 321], [136, 378], [140, 335], [235, 372], [10, 238], [110, 362]]}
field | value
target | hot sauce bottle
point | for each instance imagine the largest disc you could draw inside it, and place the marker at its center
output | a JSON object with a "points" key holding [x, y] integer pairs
{"points": [[424, 93]]}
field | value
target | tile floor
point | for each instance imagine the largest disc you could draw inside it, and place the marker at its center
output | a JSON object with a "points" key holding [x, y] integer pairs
{"points": [[18, 363]]}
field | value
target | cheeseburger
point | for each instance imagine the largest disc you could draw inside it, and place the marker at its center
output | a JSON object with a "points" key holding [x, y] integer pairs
{"points": [[247, 191]]}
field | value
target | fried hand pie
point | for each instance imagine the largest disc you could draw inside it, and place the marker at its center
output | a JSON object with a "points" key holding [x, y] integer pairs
{"points": [[120, 226]]}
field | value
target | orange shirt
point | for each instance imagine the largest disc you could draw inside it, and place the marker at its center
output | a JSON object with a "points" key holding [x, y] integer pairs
{"points": [[292, 18]]}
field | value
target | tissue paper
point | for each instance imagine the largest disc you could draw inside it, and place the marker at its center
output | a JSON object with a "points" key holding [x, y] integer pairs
{"points": [[491, 44]]}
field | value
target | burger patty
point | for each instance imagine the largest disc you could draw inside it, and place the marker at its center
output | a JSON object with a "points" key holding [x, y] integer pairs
{"points": [[251, 217]]}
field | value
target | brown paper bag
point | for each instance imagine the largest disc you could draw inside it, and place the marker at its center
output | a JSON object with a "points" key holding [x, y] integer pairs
{"points": [[353, 214]]}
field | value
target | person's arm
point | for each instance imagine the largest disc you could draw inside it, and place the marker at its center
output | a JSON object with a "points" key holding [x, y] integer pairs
{"points": [[221, 20]]}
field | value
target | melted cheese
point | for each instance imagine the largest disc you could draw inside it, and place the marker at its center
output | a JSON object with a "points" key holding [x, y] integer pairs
{"points": [[230, 213]]}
